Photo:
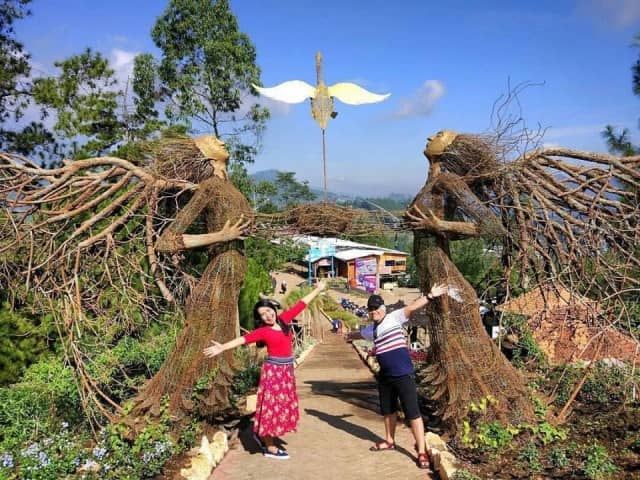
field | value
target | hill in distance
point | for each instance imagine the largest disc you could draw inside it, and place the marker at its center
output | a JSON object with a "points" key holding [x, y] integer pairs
{"points": [[270, 175]]}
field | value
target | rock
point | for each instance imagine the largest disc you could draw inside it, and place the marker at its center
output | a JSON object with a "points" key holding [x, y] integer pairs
{"points": [[201, 464], [252, 400], [219, 446], [448, 465], [434, 441]]}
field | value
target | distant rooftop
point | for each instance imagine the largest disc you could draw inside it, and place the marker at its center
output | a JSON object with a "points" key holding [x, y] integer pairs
{"points": [[341, 246]]}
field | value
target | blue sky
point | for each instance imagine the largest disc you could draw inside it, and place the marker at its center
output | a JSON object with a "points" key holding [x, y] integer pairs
{"points": [[445, 64]]}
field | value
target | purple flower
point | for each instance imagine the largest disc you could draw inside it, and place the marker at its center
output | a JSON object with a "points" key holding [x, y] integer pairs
{"points": [[7, 460]]}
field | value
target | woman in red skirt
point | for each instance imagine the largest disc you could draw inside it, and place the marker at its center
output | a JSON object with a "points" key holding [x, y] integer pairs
{"points": [[277, 404]]}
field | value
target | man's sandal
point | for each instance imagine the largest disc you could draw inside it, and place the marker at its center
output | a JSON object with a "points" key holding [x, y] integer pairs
{"points": [[384, 445], [423, 461]]}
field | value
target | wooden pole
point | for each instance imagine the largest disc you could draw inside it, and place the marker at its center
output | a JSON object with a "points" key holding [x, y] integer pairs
{"points": [[324, 168]]}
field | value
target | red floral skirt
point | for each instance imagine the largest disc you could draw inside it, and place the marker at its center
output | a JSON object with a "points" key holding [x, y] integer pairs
{"points": [[277, 401]]}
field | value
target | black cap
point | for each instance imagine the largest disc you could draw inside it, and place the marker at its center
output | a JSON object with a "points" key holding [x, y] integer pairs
{"points": [[374, 302]]}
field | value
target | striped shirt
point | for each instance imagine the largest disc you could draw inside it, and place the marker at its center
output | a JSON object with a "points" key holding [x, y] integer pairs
{"points": [[390, 344]]}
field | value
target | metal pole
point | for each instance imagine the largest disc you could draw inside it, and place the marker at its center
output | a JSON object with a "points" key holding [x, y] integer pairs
{"points": [[324, 168]]}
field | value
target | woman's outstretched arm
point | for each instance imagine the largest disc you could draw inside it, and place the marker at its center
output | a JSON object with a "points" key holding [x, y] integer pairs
{"points": [[217, 348], [313, 293]]}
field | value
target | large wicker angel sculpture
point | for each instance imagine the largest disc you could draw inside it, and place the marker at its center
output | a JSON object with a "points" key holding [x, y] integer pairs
{"points": [[60, 220], [564, 217]]}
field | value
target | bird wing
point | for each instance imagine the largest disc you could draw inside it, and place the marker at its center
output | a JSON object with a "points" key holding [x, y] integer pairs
{"points": [[352, 94], [293, 91]]}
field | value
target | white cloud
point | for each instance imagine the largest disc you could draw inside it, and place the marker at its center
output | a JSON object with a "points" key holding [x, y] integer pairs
{"points": [[421, 103], [122, 63], [617, 13]]}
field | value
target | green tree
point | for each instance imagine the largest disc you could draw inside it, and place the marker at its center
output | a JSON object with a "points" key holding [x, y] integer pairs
{"points": [[14, 61], [256, 281], [290, 191], [476, 261], [83, 99], [15, 89], [260, 193], [33, 140], [620, 143], [145, 118], [206, 72]]}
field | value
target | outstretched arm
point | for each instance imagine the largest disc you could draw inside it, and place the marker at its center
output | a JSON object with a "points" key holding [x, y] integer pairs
{"points": [[217, 348], [173, 238], [483, 221], [227, 233], [313, 293], [288, 315], [427, 220], [436, 291]]}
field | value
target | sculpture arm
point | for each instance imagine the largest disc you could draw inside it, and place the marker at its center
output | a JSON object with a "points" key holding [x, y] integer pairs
{"points": [[419, 220], [484, 221], [227, 233], [173, 238]]}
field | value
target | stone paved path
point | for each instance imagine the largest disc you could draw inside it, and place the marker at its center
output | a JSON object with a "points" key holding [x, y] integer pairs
{"points": [[338, 424]]}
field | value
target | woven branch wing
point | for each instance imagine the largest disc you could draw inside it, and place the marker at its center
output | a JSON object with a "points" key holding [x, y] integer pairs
{"points": [[60, 217], [574, 215]]}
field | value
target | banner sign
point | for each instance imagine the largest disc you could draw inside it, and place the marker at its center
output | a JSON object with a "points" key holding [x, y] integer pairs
{"points": [[366, 269], [370, 283], [320, 251]]}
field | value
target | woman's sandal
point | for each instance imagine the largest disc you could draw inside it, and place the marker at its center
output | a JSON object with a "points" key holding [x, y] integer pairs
{"points": [[423, 461], [384, 445]]}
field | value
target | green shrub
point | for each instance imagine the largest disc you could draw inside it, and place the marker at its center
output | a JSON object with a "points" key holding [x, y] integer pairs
{"points": [[465, 475], [48, 389], [21, 343], [120, 369], [604, 385], [256, 281], [558, 458], [597, 464], [347, 318], [247, 379], [53, 456], [530, 457]]}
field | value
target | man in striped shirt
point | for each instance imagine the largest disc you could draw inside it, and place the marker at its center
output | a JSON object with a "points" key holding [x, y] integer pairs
{"points": [[395, 379]]}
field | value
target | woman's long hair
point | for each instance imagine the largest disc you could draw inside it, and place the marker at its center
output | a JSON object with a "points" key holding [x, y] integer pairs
{"points": [[265, 302]]}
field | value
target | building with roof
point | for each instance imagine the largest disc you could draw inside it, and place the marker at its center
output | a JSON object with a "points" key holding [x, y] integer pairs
{"points": [[364, 266]]}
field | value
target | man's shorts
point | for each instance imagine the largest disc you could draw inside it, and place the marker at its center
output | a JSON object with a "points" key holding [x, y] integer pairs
{"points": [[391, 389]]}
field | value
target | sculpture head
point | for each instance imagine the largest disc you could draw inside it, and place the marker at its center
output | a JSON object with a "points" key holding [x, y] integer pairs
{"points": [[216, 151], [472, 157], [190, 159], [438, 143]]}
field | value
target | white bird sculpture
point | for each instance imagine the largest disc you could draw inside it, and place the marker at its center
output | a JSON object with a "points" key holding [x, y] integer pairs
{"points": [[297, 91]]}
